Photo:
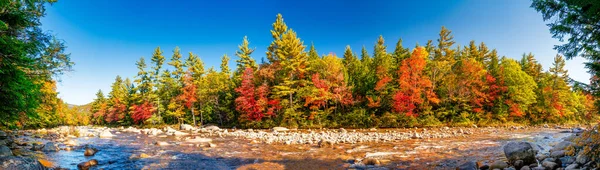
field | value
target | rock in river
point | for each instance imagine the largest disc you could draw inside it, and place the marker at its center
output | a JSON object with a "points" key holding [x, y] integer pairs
{"points": [[106, 134], [199, 140], [561, 146], [186, 127], [519, 151], [212, 128], [3, 135], [50, 147], [90, 151], [5, 151], [87, 165]]}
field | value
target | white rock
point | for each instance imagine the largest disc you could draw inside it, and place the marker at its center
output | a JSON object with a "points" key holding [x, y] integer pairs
{"points": [[187, 127], [106, 134], [280, 129], [70, 143], [380, 154], [178, 133], [212, 128], [160, 143], [199, 140]]}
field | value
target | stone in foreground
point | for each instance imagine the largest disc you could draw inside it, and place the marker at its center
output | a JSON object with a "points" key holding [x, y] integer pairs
{"points": [[19, 163], [519, 151], [470, 165]]}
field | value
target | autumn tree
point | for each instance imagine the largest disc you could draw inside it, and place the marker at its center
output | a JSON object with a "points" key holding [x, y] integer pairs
{"points": [[117, 104], [29, 58], [98, 107], [381, 69], [188, 95], [559, 88], [440, 66], [414, 85], [246, 103], [520, 87]]}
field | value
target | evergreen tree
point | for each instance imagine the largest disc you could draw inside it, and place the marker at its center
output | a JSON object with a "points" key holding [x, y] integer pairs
{"points": [[143, 80], [245, 60], [177, 64], [312, 53], [117, 101], [279, 28], [400, 53], [29, 58], [157, 59]]}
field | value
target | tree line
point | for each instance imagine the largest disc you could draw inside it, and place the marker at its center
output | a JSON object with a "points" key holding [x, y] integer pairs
{"points": [[435, 84]]}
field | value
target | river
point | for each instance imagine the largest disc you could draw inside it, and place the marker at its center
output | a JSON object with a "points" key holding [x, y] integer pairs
{"points": [[130, 150]]}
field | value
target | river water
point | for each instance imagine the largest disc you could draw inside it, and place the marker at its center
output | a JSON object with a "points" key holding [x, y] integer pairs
{"points": [[123, 151]]}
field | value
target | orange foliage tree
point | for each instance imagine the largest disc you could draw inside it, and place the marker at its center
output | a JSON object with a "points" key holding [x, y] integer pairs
{"points": [[414, 86]]}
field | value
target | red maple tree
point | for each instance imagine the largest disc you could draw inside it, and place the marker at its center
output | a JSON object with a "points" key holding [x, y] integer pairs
{"points": [[142, 112]]}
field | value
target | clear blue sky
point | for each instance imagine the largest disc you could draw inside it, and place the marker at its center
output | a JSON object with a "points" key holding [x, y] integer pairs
{"points": [[106, 37]]}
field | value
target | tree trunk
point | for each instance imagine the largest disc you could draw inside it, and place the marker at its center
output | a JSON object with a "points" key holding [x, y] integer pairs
{"points": [[291, 103], [220, 113], [193, 116]]}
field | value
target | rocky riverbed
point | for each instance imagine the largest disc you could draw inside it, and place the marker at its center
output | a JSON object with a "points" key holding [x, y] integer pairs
{"points": [[210, 147]]}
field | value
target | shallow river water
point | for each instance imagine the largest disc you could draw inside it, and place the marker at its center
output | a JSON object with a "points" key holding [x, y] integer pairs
{"points": [[123, 150]]}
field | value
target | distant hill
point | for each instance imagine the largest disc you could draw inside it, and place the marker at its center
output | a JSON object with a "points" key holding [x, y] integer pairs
{"points": [[80, 108]]}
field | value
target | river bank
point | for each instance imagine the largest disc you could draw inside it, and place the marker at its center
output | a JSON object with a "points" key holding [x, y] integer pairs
{"points": [[279, 148]]}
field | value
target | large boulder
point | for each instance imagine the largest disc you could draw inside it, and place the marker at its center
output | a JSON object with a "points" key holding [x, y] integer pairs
{"points": [[20, 163], [5, 151], [561, 146], [519, 151], [50, 147], [557, 153]]}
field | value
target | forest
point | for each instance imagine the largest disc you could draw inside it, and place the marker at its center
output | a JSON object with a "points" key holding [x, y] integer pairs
{"points": [[440, 83]]}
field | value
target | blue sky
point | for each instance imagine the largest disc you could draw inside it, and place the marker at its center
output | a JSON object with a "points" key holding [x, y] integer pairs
{"points": [[106, 38]]}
